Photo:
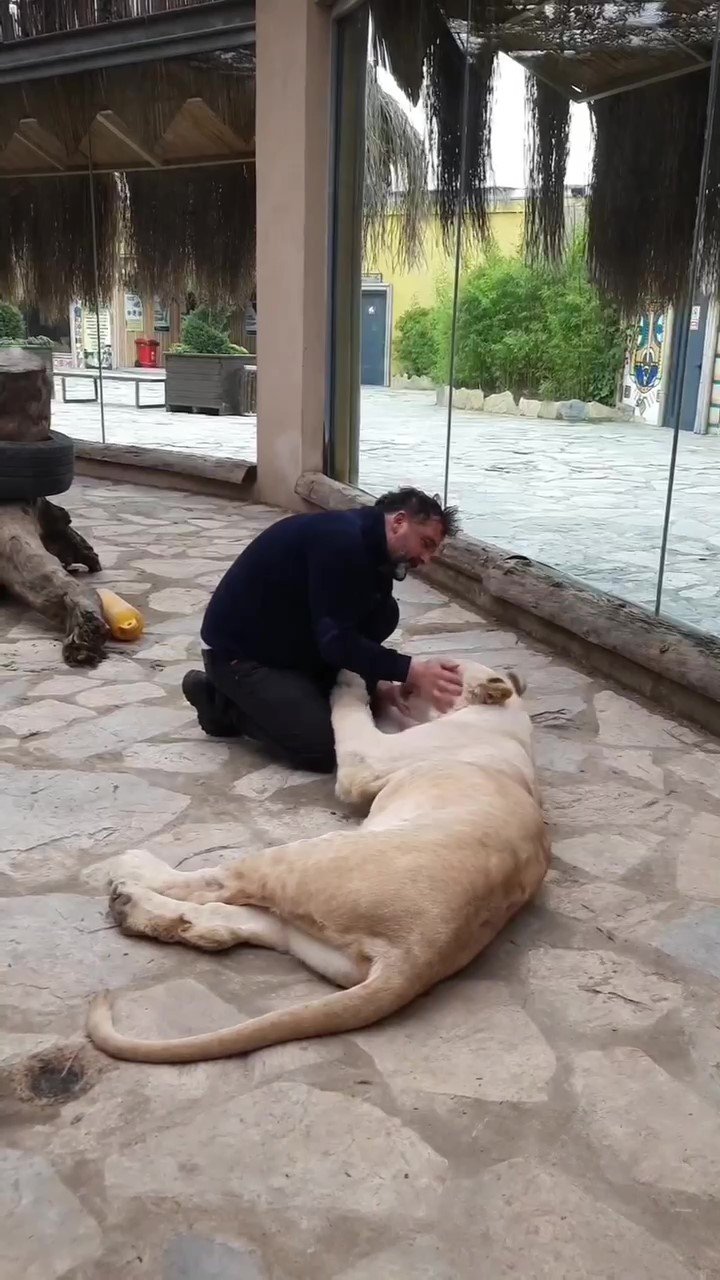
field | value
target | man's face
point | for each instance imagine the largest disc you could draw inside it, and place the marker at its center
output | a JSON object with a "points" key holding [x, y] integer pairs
{"points": [[413, 542]]}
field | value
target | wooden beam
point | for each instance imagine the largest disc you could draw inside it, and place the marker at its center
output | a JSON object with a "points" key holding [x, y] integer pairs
{"points": [[80, 171], [198, 131], [44, 144], [115, 126], [176, 33]]}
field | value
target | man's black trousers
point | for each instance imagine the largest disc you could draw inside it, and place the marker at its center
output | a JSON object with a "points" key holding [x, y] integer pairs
{"points": [[286, 712]]}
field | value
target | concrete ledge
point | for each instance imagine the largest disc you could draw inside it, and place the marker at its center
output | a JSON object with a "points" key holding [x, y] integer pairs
{"points": [[670, 664], [165, 468]]}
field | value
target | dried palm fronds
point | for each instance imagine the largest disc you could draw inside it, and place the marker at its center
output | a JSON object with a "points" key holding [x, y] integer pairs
{"points": [[548, 122], [396, 163], [192, 226], [644, 191], [424, 52], [46, 244]]}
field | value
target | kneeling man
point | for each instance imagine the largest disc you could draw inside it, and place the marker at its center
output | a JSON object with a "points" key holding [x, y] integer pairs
{"points": [[313, 595]]}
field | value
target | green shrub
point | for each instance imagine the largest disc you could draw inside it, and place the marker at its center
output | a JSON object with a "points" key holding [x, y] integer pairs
{"points": [[12, 325], [536, 331], [205, 333], [416, 342]]}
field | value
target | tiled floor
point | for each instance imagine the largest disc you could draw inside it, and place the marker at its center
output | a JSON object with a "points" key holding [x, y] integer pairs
{"points": [[587, 498], [551, 1112]]}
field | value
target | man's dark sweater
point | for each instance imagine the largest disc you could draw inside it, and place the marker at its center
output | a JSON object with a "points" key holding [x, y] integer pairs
{"points": [[304, 595]]}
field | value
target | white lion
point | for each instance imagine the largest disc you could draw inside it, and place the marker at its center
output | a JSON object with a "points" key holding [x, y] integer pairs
{"points": [[453, 846]]}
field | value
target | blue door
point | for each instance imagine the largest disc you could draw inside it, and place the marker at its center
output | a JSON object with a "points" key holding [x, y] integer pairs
{"points": [[374, 337]]}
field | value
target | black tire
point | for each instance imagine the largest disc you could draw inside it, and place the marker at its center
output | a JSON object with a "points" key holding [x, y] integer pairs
{"points": [[36, 469]]}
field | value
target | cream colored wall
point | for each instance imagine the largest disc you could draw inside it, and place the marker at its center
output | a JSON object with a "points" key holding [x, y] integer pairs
{"points": [[418, 287]]}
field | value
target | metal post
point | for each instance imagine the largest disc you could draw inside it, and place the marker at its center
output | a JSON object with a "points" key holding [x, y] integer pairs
{"points": [[101, 395], [458, 246], [693, 278]]}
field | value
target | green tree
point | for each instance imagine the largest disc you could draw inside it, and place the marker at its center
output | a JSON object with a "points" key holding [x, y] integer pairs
{"points": [[534, 330], [416, 341], [12, 325]]}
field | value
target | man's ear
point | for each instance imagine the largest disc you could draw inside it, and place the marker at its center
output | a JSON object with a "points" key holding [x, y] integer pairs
{"points": [[491, 691], [517, 682]]}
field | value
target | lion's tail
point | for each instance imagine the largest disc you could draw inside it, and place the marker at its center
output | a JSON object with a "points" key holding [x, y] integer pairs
{"points": [[387, 988]]}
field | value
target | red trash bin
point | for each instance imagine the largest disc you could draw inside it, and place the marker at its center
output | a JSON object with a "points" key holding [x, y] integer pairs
{"points": [[146, 352]]}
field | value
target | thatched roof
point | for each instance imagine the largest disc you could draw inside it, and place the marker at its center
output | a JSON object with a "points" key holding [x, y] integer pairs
{"points": [[172, 146]]}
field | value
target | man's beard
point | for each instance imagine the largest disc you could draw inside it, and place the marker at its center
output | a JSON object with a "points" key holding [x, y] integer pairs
{"points": [[400, 570]]}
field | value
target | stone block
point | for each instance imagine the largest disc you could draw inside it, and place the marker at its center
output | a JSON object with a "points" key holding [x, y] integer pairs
{"points": [[548, 409], [504, 402], [596, 412], [572, 410], [529, 408]]}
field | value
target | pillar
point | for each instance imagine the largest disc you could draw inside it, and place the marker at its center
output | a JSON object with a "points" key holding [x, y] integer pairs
{"points": [[293, 111]]}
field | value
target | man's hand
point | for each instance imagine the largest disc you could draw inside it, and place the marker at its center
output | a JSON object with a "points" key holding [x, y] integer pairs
{"points": [[439, 683]]}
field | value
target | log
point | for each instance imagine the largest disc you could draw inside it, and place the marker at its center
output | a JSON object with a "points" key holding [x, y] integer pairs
{"points": [[37, 542], [24, 396], [35, 576]]}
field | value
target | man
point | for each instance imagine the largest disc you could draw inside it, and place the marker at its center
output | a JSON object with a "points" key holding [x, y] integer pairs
{"points": [[310, 596]]}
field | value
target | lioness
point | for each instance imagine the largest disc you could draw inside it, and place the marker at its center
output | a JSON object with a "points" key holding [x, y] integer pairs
{"points": [[454, 844]]}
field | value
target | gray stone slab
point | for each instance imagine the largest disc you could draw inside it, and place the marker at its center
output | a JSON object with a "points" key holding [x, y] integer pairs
{"points": [[192, 1257], [45, 1230], [694, 940], [113, 732]]}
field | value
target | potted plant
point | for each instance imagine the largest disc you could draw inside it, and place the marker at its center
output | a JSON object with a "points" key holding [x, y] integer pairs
{"points": [[205, 369]]}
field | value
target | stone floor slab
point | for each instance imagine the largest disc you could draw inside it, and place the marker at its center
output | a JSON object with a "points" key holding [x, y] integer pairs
{"points": [[45, 1231], [645, 1125]]}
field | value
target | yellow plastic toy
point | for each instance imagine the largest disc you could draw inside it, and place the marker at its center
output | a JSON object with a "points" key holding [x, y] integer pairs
{"points": [[124, 620]]}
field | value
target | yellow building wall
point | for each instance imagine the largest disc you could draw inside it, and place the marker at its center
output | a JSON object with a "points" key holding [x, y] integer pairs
{"points": [[418, 287]]}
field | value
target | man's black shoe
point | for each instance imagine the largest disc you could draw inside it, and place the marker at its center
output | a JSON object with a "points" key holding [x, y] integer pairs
{"points": [[198, 691]]}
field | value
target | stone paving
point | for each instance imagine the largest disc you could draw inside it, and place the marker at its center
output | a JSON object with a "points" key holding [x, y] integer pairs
{"points": [[588, 499], [554, 1111]]}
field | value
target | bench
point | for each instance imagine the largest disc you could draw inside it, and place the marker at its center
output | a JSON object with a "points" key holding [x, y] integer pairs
{"points": [[108, 375]]}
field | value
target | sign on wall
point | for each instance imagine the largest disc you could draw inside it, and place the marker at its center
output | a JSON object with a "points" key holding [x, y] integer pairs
{"points": [[133, 313], [161, 320]]}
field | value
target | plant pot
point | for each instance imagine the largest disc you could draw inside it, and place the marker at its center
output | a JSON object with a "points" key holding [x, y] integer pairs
{"points": [[207, 384]]}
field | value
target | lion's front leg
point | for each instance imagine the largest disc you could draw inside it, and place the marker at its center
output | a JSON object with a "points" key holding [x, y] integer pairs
{"points": [[360, 746]]}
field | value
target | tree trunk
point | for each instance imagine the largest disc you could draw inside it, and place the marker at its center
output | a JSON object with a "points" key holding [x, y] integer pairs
{"points": [[24, 396], [37, 542]]}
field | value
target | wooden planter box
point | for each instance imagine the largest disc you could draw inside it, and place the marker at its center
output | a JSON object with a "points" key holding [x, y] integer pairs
{"points": [[208, 384]]}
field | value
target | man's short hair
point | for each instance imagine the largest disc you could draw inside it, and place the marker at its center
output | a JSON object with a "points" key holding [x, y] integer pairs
{"points": [[421, 507]]}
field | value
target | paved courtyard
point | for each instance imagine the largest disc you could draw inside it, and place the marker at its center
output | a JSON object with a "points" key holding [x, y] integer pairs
{"points": [[587, 499], [554, 1111]]}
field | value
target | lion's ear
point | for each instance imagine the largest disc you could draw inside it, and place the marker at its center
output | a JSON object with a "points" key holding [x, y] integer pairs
{"points": [[517, 682], [491, 691]]}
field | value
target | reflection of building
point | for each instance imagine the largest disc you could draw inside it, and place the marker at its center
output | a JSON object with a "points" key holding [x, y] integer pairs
{"points": [[131, 316]]}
